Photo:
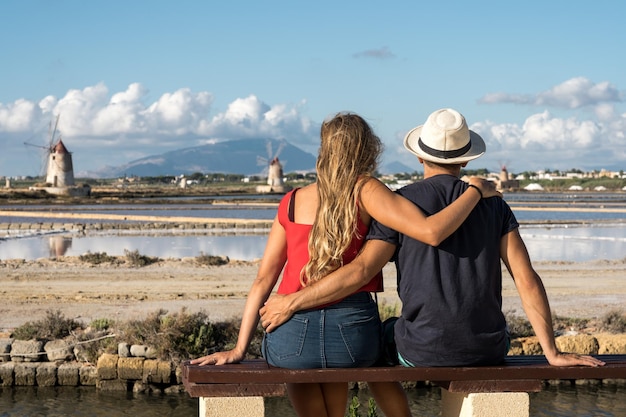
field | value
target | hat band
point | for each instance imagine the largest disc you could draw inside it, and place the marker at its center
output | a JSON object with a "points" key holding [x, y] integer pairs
{"points": [[444, 154]]}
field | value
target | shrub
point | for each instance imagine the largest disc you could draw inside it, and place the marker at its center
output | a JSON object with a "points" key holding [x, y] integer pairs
{"points": [[518, 326], [388, 310], [569, 323], [101, 324], [614, 322], [53, 326], [182, 335], [90, 345], [97, 258], [134, 258], [210, 260]]}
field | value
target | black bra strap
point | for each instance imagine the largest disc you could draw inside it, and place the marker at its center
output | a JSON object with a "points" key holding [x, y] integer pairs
{"points": [[292, 208]]}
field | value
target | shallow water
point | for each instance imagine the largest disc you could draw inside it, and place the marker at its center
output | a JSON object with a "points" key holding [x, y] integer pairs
{"points": [[575, 243], [553, 401]]}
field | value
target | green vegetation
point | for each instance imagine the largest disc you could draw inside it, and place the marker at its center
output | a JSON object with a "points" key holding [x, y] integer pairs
{"points": [[53, 326], [355, 406]]}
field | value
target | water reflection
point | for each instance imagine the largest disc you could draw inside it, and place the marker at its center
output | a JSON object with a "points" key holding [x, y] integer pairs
{"points": [[59, 245], [552, 401], [89, 402], [545, 243]]}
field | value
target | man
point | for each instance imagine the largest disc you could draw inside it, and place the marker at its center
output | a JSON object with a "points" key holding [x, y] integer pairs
{"points": [[451, 294]]}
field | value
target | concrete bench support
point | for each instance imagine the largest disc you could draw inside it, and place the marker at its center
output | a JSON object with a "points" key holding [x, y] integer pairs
{"points": [[453, 404], [488, 404], [232, 407]]}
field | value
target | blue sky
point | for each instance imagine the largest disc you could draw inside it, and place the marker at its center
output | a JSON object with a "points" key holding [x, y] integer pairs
{"points": [[543, 82]]}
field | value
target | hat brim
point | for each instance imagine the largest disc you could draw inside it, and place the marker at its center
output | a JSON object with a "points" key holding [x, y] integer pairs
{"points": [[477, 148]]}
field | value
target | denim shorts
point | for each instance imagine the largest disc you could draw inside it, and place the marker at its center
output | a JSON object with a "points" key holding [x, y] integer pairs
{"points": [[343, 335]]}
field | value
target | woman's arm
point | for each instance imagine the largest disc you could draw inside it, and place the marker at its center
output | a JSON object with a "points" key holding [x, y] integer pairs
{"points": [[335, 286], [272, 264], [398, 213]]}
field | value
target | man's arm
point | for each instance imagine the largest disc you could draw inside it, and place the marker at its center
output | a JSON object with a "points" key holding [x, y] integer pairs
{"points": [[335, 286], [535, 301]]}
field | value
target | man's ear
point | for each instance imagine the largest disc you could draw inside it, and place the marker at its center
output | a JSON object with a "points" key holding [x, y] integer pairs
{"points": [[421, 160], [464, 164]]}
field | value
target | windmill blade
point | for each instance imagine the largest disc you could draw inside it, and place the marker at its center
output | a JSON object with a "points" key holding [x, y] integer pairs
{"points": [[268, 148], [54, 131], [261, 161], [281, 146]]}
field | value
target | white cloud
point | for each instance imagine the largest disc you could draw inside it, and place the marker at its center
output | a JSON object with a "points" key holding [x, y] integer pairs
{"points": [[96, 120], [572, 94]]}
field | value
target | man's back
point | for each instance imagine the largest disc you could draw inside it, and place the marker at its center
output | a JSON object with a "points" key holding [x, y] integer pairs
{"points": [[451, 294]]}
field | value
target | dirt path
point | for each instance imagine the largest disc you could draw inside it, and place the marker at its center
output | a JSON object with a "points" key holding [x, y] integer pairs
{"points": [[87, 292]]}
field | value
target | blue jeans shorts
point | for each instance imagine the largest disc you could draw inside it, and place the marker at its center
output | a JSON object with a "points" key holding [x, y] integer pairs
{"points": [[343, 335]]}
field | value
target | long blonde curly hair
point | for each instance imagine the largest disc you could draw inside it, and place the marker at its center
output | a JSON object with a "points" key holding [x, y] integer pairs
{"points": [[348, 156]]}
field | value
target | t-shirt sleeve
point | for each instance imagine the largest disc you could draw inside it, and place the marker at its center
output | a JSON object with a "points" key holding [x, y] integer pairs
{"points": [[509, 222], [378, 231]]}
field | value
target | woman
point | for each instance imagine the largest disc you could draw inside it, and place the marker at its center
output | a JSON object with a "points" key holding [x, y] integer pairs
{"points": [[317, 228]]}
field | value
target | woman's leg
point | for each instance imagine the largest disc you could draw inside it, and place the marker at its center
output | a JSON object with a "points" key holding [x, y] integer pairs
{"points": [[336, 398], [319, 400], [390, 398]]}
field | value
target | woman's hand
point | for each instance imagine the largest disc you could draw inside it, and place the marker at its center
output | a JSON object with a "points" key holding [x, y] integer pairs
{"points": [[486, 187], [219, 358]]}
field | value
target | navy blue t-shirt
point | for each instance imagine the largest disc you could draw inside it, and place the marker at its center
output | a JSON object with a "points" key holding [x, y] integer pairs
{"points": [[451, 294]]}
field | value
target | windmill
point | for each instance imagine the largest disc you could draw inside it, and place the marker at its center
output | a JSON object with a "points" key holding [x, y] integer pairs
{"points": [[272, 166], [505, 181], [58, 160], [273, 169]]}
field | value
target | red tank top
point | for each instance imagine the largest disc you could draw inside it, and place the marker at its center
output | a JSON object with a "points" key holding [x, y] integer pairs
{"points": [[298, 249]]}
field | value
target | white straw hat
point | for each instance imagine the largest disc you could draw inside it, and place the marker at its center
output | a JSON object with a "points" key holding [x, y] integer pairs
{"points": [[445, 139]]}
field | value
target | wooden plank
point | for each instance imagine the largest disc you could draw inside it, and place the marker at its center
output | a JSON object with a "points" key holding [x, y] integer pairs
{"points": [[515, 368], [500, 385], [235, 390]]}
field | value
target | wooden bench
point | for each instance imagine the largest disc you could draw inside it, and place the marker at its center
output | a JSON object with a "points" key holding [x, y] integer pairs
{"points": [[467, 391]]}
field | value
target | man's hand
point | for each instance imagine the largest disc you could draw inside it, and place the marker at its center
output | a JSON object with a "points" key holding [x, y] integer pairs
{"points": [[275, 312], [572, 359]]}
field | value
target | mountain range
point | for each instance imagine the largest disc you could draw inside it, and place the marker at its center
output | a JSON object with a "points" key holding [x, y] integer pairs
{"points": [[244, 157]]}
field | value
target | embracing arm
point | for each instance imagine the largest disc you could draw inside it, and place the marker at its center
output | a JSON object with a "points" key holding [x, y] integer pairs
{"points": [[398, 213], [335, 286], [535, 301], [274, 259]]}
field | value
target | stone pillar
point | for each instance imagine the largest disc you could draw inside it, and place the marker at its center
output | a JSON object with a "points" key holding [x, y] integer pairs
{"points": [[231, 407], [488, 404]]}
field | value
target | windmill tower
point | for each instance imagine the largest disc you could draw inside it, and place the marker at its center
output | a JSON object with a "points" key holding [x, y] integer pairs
{"points": [[274, 169], [60, 172]]}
